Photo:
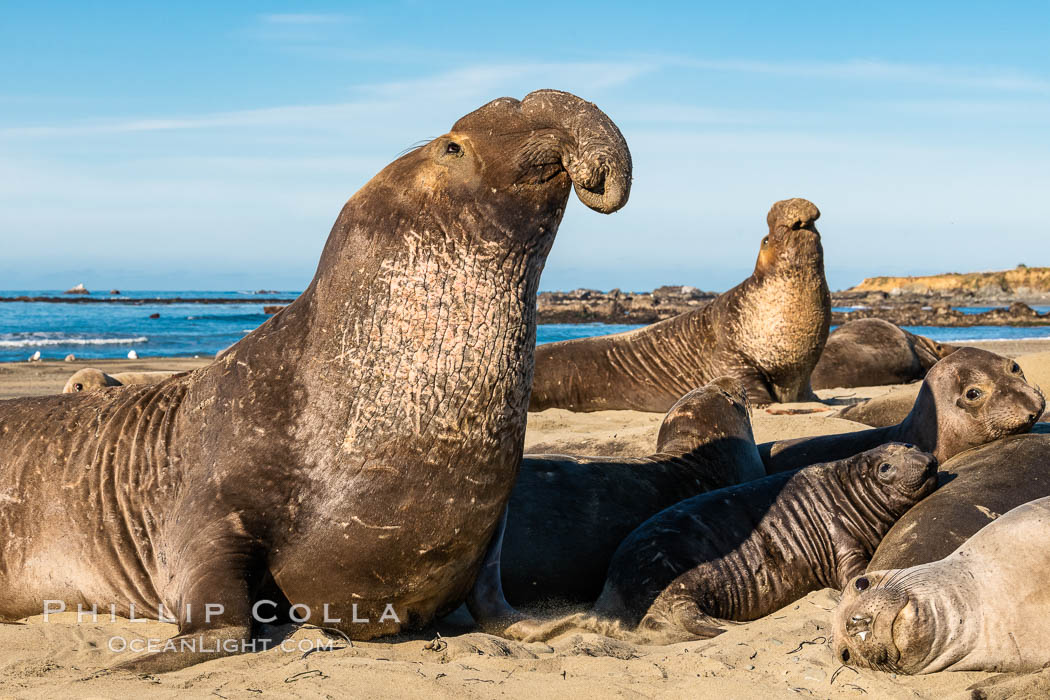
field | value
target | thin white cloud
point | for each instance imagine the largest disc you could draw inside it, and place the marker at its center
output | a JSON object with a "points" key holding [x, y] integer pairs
{"points": [[446, 91], [872, 69]]}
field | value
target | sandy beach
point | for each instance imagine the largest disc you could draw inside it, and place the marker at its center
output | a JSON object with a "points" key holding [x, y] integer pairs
{"points": [[782, 655]]}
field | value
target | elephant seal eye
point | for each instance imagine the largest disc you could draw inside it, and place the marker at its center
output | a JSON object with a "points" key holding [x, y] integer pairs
{"points": [[862, 583], [453, 147], [845, 656], [78, 387], [765, 241], [884, 467], [973, 394], [1016, 368]]}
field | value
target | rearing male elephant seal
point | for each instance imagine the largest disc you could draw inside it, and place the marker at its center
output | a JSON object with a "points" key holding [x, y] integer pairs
{"points": [[985, 607], [353, 455], [977, 487], [745, 551], [872, 352], [91, 379], [768, 331], [968, 399], [567, 515]]}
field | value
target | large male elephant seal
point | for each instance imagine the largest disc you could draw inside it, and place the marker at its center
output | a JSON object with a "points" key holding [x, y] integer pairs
{"points": [[745, 551], [984, 607], [976, 488], [567, 515], [352, 456], [969, 398], [872, 352], [768, 331], [91, 379]]}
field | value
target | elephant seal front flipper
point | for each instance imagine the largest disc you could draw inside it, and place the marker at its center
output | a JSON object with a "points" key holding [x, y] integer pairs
{"points": [[346, 463]]}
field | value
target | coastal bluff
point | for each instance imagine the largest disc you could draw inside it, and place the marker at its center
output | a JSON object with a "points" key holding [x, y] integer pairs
{"points": [[1022, 283]]}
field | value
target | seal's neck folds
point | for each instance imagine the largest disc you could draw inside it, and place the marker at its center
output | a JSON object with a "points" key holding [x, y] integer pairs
{"points": [[433, 346]]}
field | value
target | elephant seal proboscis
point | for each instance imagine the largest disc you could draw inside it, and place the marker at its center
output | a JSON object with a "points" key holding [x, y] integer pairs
{"points": [[984, 607], [567, 514], [768, 331], [969, 398], [873, 352], [347, 463], [745, 551], [91, 379], [977, 487]]}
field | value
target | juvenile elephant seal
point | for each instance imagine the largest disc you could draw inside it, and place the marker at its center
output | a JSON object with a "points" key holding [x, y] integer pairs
{"points": [[767, 331], [567, 515], [353, 455], [745, 551], [872, 352], [976, 488], [90, 379], [984, 607], [969, 398]]}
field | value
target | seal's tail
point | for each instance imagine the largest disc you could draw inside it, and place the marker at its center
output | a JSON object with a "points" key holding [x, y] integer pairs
{"points": [[687, 623]]}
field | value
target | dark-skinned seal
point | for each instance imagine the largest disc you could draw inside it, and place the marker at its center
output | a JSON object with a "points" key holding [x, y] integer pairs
{"points": [[873, 352], [351, 458], [745, 551], [568, 514], [977, 487], [768, 331], [969, 398]]}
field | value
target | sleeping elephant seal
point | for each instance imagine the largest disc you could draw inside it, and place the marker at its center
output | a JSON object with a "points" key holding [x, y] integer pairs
{"points": [[969, 398], [90, 379], [984, 607], [872, 352], [567, 515], [767, 331], [353, 455], [745, 551], [976, 488]]}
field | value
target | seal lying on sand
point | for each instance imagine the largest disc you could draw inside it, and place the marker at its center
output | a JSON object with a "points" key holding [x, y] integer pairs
{"points": [[985, 607], [567, 515], [90, 379], [882, 411], [976, 488], [872, 352], [354, 454], [745, 551], [767, 331], [968, 399]]}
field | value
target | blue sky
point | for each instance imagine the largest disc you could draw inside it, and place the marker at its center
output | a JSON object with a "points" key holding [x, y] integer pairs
{"points": [[171, 147]]}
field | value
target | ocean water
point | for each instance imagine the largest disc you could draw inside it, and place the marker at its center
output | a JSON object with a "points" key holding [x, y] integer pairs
{"points": [[111, 330]]}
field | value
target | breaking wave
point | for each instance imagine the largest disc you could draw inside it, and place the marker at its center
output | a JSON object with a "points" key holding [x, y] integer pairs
{"points": [[38, 342]]}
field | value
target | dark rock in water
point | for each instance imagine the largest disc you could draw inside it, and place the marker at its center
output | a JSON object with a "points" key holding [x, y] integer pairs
{"points": [[154, 315], [271, 309], [79, 289], [265, 291]]}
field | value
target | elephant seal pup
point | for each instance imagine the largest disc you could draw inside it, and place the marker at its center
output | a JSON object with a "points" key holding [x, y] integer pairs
{"points": [[90, 379], [745, 551], [984, 607], [873, 352], [353, 455], [567, 515], [976, 488], [768, 331], [969, 398]]}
